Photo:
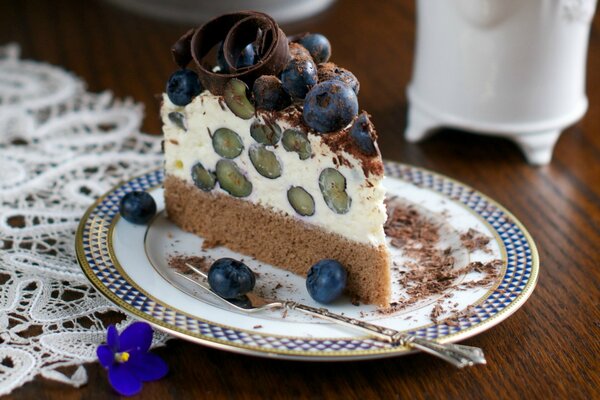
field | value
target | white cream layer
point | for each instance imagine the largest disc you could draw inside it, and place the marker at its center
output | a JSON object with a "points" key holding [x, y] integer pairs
{"points": [[183, 149]]}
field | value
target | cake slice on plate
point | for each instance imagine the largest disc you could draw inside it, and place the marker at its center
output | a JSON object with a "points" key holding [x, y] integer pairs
{"points": [[266, 153]]}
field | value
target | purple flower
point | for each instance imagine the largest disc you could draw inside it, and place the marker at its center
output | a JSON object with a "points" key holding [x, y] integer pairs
{"points": [[127, 360]]}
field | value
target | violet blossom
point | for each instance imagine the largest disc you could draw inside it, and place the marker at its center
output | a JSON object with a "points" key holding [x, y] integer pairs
{"points": [[127, 360]]}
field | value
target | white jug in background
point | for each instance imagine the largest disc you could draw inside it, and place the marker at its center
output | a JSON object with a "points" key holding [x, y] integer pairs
{"points": [[514, 68]]}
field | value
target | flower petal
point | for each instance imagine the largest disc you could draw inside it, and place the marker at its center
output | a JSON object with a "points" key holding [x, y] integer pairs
{"points": [[136, 337], [123, 380], [147, 366], [105, 355], [112, 338]]}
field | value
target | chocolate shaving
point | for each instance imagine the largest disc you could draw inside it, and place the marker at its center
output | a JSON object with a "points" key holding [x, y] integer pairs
{"points": [[432, 270], [236, 31], [454, 320], [475, 240], [436, 312], [222, 103]]}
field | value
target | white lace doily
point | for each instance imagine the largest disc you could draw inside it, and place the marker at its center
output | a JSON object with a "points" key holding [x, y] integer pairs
{"points": [[60, 148]]}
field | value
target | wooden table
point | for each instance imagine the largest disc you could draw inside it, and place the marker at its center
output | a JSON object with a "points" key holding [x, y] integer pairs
{"points": [[549, 349]]}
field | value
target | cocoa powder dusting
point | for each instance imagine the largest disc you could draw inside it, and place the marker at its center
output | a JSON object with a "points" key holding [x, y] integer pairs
{"points": [[178, 263], [342, 141], [210, 244]]}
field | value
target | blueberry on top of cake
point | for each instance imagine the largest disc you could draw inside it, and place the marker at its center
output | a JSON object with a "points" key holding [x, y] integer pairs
{"points": [[267, 153]]}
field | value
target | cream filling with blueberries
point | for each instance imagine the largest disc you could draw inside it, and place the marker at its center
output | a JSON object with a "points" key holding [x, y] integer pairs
{"points": [[284, 180]]}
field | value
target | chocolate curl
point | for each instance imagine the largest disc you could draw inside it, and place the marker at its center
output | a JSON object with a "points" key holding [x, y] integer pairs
{"points": [[236, 31], [237, 40], [181, 50]]}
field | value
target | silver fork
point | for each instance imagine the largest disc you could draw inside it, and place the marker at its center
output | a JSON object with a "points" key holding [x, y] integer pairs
{"points": [[456, 354]]}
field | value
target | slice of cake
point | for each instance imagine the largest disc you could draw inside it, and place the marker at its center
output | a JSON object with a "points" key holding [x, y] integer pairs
{"points": [[288, 172]]}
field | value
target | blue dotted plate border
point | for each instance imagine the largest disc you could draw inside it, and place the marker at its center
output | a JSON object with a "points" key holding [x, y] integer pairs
{"points": [[103, 270]]}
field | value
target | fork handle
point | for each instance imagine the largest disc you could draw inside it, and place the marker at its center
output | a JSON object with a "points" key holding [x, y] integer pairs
{"points": [[458, 355]]}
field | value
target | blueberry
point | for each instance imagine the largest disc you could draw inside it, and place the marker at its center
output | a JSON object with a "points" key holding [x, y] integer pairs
{"points": [[246, 58], [361, 131], [137, 207], [242, 302], [302, 202], [203, 178], [330, 71], [318, 46], [183, 86], [269, 94], [268, 133], [298, 51], [329, 106], [236, 98], [294, 140], [227, 143], [178, 119], [298, 77], [326, 280], [333, 188], [230, 278], [265, 161], [232, 179]]}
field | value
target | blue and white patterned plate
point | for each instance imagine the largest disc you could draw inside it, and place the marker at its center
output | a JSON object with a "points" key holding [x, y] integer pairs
{"points": [[129, 263]]}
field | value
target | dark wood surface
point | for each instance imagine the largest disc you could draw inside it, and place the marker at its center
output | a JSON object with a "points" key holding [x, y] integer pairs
{"points": [[548, 349]]}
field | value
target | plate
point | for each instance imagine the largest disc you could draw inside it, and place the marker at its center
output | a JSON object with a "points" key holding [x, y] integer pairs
{"points": [[132, 266]]}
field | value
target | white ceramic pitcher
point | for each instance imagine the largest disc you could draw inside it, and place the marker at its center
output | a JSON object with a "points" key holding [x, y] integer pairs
{"points": [[514, 68]]}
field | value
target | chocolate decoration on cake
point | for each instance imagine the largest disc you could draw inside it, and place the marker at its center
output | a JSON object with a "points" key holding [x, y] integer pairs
{"points": [[236, 31], [181, 50]]}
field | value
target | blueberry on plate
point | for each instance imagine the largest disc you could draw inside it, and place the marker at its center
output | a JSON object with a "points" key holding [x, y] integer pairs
{"points": [[361, 133], [183, 86], [329, 106], [242, 302], [137, 207], [298, 77], [326, 280], [230, 278], [318, 46]]}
